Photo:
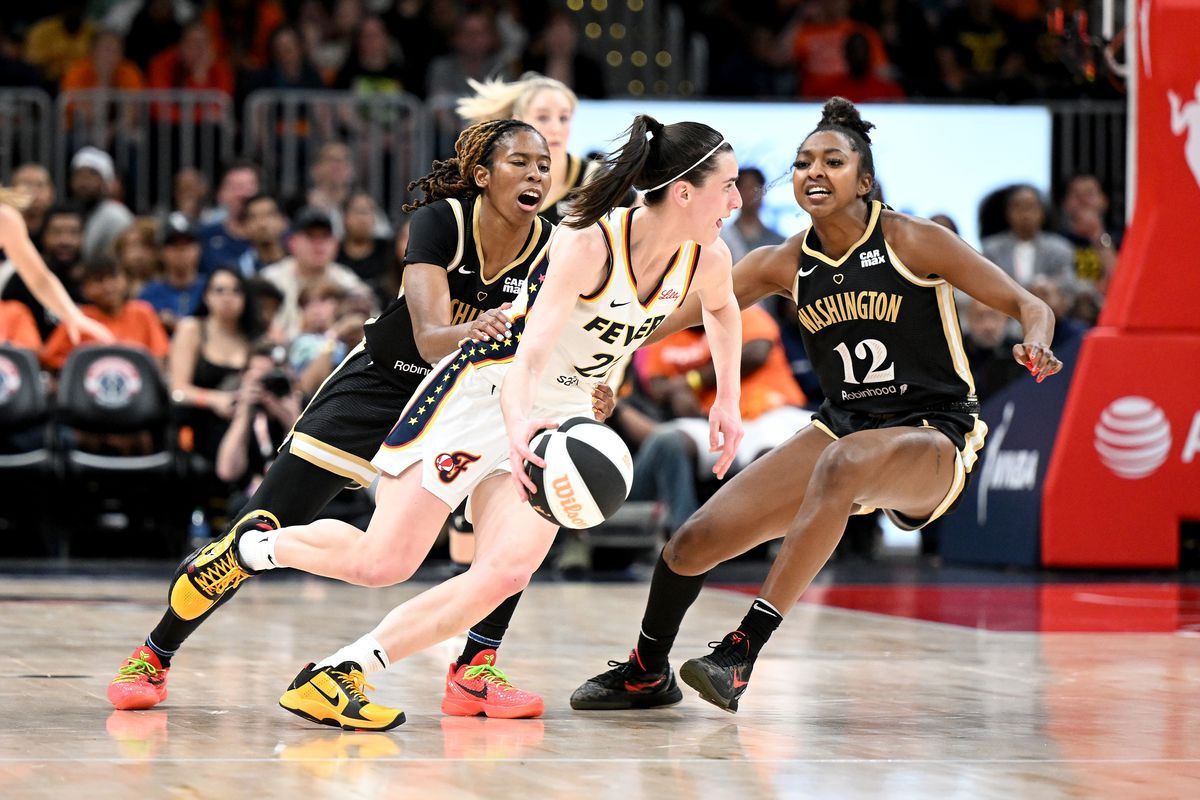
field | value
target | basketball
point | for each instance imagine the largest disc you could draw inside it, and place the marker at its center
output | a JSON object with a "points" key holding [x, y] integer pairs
{"points": [[588, 473]]}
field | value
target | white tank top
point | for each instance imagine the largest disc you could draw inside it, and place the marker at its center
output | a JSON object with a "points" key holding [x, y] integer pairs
{"points": [[603, 328]]}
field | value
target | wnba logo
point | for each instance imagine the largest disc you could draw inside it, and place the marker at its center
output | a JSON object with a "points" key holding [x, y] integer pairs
{"points": [[1133, 437], [451, 465]]}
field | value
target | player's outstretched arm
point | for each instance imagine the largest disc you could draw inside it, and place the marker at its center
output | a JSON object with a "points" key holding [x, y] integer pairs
{"points": [[14, 240], [576, 260], [763, 271], [928, 249]]}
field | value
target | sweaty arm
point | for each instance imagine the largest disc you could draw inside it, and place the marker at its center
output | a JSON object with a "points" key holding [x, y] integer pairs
{"points": [[929, 250], [764, 271]]}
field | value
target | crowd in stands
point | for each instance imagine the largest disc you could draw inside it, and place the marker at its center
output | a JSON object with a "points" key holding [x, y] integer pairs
{"points": [[248, 300]]}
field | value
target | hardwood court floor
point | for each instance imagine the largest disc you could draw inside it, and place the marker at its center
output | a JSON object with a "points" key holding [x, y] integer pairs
{"points": [[843, 704]]}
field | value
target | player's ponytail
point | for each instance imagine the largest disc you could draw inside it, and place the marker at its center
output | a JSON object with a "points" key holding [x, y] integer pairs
{"points": [[454, 177], [652, 158], [840, 115]]}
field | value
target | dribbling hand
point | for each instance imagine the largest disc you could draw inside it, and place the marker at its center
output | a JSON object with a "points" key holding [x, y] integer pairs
{"points": [[520, 432], [1038, 358], [724, 436]]}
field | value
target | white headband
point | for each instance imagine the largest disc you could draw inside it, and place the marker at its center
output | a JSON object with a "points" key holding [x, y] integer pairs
{"points": [[703, 158]]}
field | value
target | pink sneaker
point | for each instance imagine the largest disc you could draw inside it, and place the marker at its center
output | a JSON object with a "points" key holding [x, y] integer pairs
{"points": [[480, 688], [141, 682]]}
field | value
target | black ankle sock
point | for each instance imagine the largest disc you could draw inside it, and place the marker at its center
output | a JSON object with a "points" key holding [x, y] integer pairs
{"points": [[759, 624], [488, 634], [671, 595], [164, 656]]}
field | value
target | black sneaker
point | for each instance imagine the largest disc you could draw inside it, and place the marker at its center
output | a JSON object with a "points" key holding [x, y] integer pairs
{"points": [[721, 676], [627, 686]]}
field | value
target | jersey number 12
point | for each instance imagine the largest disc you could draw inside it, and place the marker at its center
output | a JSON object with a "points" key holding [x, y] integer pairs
{"points": [[878, 354]]}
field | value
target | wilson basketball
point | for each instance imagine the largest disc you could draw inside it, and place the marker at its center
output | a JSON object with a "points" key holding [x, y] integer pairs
{"points": [[588, 473]]}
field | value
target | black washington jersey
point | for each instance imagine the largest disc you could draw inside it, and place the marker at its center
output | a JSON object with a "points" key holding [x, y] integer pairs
{"points": [[881, 339], [446, 234]]}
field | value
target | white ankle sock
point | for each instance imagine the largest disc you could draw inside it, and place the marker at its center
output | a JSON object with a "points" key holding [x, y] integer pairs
{"points": [[257, 549], [367, 652]]}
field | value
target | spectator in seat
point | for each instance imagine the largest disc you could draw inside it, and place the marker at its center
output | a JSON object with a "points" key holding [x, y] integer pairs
{"points": [[208, 351], [155, 28], [191, 64], [241, 30], [475, 54], [106, 67], [748, 231], [189, 195], [267, 300], [136, 251], [58, 41], [265, 408], [363, 250], [34, 181], [132, 322], [92, 177], [225, 239], [1025, 250], [555, 54], [17, 328], [819, 47], [375, 66], [333, 177], [62, 238], [1084, 224], [862, 81], [177, 294], [313, 247], [989, 349], [266, 226]]}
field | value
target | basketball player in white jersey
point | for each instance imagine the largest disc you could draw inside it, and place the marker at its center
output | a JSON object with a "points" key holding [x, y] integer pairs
{"points": [[608, 280]]}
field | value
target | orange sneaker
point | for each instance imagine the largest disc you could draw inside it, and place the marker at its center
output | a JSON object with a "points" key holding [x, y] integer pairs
{"points": [[480, 688], [141, 682]]}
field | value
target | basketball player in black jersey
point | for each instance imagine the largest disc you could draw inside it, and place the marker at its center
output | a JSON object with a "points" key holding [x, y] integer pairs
{"points": [[471, 244], [899, 430]]}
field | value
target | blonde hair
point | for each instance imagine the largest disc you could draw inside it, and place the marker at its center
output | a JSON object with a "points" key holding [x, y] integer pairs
{"points": [[497, 99], [15, 198]]}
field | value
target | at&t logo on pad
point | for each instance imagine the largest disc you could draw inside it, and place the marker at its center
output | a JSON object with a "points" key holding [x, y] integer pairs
{"points": [[1133, 437]]}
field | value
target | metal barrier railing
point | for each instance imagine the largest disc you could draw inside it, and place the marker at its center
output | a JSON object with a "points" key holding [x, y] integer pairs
{"points": [[26, 130], [152, 133], [149, 133], [388, 136], [1090, 137]]}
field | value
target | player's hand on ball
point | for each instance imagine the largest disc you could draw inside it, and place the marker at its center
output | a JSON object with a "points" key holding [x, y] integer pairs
{"points": [[724, 435], [604, 402], [519, 434], [1038, 358]]}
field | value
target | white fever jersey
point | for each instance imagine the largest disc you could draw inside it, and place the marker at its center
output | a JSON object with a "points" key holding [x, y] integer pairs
{"points": [[603, 328]]}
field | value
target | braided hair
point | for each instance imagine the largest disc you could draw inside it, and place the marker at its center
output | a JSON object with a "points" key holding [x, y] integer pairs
{"points": [[474, 147], [840, 115]]}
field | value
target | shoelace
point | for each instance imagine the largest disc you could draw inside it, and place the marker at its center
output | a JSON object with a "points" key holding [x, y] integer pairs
{"points": [[220, 575], [726, 653], [133, 668], [353, 682], [489, 673]]}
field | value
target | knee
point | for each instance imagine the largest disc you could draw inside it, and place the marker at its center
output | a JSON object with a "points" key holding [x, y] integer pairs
{"points": [[838, 470], [690, 550], [377, 573], [501, 581]]}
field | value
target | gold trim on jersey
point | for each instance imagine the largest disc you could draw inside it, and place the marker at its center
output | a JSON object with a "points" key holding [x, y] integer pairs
{"points": [[456, 206], [693, 263], [610, 242], [535, 235], [948, 311], [574, 170], [332, 459], [627, 225], [872, 221], [907, 273]]}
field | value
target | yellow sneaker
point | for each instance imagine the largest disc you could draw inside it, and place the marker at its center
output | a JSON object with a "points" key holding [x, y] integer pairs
{"points": [[211, 574], [334, 696]]}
